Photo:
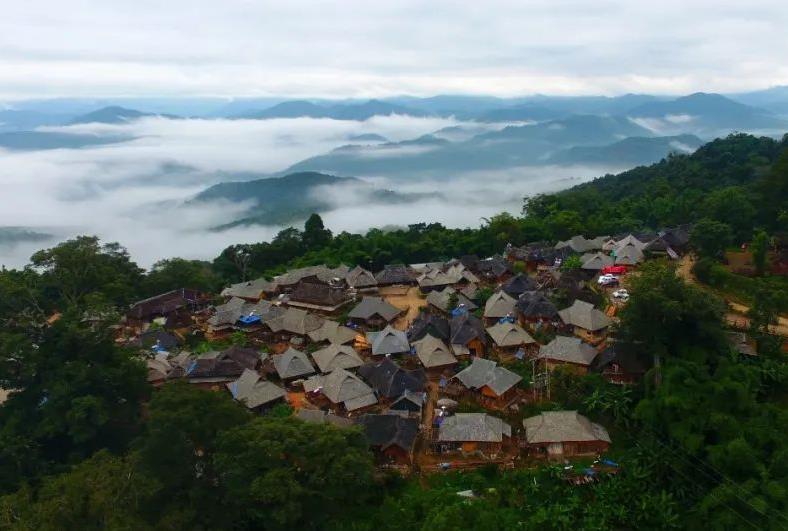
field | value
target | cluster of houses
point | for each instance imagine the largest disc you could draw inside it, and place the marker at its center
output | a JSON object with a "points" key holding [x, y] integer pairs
{"points": [[435, 382]]}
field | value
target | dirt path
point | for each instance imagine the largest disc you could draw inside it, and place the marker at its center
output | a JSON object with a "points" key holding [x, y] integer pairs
{"points": [[737, 316], [408, 300]]}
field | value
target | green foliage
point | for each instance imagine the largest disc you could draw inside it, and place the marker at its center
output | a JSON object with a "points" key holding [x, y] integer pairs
{"points": [[760, 248], [280, 473], [76, 268], [571, 262], [76, 392], [710, 238], [176, 273], [102, 492]]}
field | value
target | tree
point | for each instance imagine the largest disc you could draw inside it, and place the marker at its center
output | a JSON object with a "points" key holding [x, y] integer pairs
{"points": [[710, 238], [180, 439], [75, 393], [571, 262], [103, 492], [760, 248], [76, 268], [176, 273], [315, 235], [279, 473]]}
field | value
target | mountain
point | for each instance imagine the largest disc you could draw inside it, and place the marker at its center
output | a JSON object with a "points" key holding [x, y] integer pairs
{"points": [[774, 99], [20, 120], [509, 147], [15, 235], [633, 151], [350, 111], [34, 140], [521, 113], [295, 196], [113, 115], [578, 129], [705, 114], [368, 137]]}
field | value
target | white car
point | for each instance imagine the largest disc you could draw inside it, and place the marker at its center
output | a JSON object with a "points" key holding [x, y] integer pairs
{"points": [[621, 294], [605, 280]]}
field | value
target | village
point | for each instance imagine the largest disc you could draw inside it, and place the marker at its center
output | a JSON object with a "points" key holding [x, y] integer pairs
{"points": [[437, 363]]}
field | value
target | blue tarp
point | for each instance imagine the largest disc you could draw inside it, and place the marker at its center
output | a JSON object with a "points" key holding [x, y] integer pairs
{"points": [[250, 319], [520, 354], [459, 311], [507, 319], [608, 462]]}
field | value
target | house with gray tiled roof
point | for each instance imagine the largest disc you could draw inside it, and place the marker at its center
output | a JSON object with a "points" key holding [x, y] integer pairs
{"points": [[360, 279], [567, 351], [342, 389], [292, 364], [254, 392], [562, 434], [473, 433], [586, 321], [499, 305], [336, 356], [433, 353], [374, 311], [388, 341], [493, 385], [333, 333]]}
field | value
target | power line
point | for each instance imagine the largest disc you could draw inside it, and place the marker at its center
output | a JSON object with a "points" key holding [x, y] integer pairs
{"points": [[683, 454], [722, 502]]}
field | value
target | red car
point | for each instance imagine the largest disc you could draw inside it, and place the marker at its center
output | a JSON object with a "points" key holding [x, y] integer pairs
{"points": [[614, 270]]}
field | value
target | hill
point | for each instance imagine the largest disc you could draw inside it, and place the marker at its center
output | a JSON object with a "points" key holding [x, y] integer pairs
{"points": [[705, 114], [632, 151], [295, 196], [113, 115], [353, 111], [34, 140], [510, 147]]}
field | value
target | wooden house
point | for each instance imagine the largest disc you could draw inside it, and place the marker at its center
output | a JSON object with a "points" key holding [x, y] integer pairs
{"points": [[467, 335], [374, 312], [390, 381], [392, 437], [585, 321], [255, 393], [472, 434], [493, 386], [561, 434], [434, 355], [511, 341], [344, 391], [568, 352]]}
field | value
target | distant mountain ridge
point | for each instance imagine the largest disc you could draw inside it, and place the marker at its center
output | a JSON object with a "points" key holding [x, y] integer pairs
{"points": [[282, 200], [707, 112], [359, 111], [114, 115], [632, 151]]}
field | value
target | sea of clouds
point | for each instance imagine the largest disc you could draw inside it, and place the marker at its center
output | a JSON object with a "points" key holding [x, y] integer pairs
{"points": [[133, 192]]}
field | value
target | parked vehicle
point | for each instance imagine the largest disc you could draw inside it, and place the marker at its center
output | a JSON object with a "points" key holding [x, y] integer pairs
{"points": [[608, 280], [614, 270], [621, 294]]}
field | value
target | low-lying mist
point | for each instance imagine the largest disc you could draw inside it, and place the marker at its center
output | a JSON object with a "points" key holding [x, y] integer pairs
{"points": [[133, 192]]}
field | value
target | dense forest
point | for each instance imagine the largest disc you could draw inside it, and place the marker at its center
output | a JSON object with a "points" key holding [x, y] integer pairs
{"points": [[86, 444]]}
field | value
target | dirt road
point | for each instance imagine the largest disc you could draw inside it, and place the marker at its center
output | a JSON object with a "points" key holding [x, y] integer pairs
{"points": [[737, 316]]}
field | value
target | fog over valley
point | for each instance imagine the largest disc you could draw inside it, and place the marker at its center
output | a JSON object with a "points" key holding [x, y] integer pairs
{"points": [[137, 191]]}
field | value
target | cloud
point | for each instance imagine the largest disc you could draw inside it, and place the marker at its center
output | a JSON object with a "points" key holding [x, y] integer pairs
{"points": [[371, 49], [133, 192]]}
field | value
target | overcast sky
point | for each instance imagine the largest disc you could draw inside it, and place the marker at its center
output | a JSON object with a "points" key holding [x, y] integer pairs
{"points": [[353, 48]]}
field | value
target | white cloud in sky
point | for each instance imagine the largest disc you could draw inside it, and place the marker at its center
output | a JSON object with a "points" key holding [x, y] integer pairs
{"points": [[367, 49]]}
